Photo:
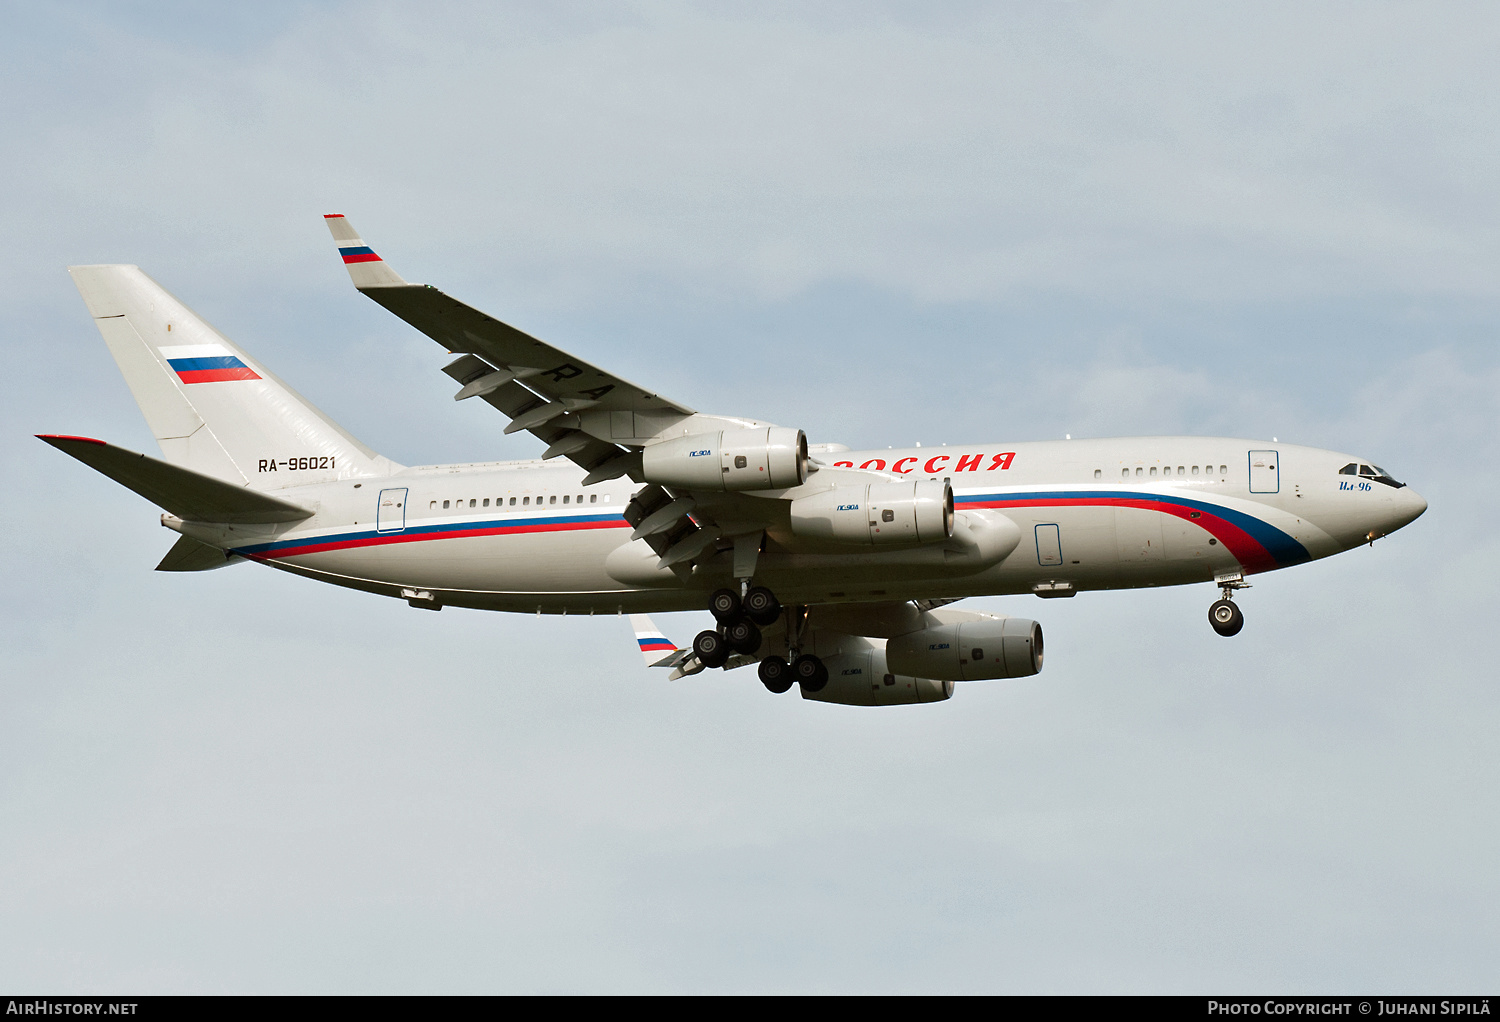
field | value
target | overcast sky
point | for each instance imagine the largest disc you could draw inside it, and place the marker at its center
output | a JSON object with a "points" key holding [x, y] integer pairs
{"points": [[876, 222]]}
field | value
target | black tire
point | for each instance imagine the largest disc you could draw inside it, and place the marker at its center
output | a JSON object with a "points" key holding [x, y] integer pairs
{"points": [[1226, 618], [743, 636], [762, 606], [776, 675], [711, 649], [724, 605], [810, 672]]}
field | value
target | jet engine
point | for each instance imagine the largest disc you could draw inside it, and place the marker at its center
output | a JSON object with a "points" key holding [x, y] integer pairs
{"points": [[880, 514], [973, 650], [862, 678], [769, 458]]}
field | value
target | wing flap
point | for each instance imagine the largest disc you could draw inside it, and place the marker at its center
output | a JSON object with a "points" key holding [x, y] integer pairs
{"points": [[513, 400]]}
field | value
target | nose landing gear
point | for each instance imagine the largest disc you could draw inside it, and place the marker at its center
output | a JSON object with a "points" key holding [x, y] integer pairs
{"points": [[1224, 616]]}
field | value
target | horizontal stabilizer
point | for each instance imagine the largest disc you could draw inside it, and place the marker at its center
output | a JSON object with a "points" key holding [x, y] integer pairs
{"points": [[191, 496], [187, 554]]}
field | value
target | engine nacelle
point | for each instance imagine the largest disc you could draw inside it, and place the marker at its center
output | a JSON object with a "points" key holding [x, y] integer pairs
{"points": [[880, 514], [978, 650], [861, 678], [769, 458]]}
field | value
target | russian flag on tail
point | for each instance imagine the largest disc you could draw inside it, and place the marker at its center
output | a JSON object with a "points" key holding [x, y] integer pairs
{"points": [[206, 363]]}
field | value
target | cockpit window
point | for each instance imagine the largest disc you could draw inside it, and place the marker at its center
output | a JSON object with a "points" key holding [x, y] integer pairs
{"points": [[1374, 473]]}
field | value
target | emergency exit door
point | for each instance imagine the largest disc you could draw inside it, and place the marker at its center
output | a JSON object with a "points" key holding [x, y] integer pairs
{"points": [[1048, 545]]}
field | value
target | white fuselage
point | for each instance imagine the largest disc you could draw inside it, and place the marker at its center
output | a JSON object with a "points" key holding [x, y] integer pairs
{"points": [[1091, 514]]}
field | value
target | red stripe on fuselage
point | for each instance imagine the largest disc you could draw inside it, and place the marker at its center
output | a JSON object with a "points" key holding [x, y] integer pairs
{"points": [[1252, 555], [314, 547]]}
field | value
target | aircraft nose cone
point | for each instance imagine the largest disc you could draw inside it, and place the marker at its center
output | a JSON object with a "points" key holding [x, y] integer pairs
{"points": [[1413, 504], [1408, 507]]}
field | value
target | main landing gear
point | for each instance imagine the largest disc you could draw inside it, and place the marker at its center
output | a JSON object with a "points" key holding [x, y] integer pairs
{"points": [[739, 624], [740, 619], [1224, 615]]}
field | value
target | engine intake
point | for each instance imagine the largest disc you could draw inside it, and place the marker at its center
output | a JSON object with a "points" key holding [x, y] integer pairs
{"points": [[880, 514], [769, 458], [977, 650]]}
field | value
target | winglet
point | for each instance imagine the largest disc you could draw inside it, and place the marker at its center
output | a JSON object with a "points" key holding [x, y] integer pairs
{"points": [[365, 268], [658, 650]]}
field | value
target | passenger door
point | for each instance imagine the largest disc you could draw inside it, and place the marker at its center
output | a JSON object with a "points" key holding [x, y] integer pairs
{"points": [[390, 516], [1265, 472]]}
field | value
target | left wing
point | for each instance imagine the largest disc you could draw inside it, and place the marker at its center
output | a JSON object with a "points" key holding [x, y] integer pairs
{"points": [[581, 412], [608, 425]]}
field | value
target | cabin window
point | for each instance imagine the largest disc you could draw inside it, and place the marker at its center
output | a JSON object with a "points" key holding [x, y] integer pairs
{"points": [[1098, 473], [473, 502], [1139, 472], [565, 498], [1124, 473], [432, 506], [1153, 470], [445, 505], [486, 502], [552, 499], [1223, 470], [593, 498], [1182, 470], [525, 501], [512, 502], [1195, 470], [579, 500]]}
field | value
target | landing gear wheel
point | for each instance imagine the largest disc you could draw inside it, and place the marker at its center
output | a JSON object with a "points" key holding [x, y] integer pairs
{"points": [[810, 672], [776, 674], [711, 649], [724, 605], [1226, 618], [743, 636], [762, 606]]}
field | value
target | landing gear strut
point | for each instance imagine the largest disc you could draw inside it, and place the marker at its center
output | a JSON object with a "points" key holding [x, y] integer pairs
{"points": [[1224, 616]]}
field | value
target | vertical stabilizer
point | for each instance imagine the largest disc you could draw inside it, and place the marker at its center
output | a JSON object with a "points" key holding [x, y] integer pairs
{"points": [[212, 407]]}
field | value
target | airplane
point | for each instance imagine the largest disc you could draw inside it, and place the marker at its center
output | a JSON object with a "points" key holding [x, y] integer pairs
{"points": [[831, 569]]}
